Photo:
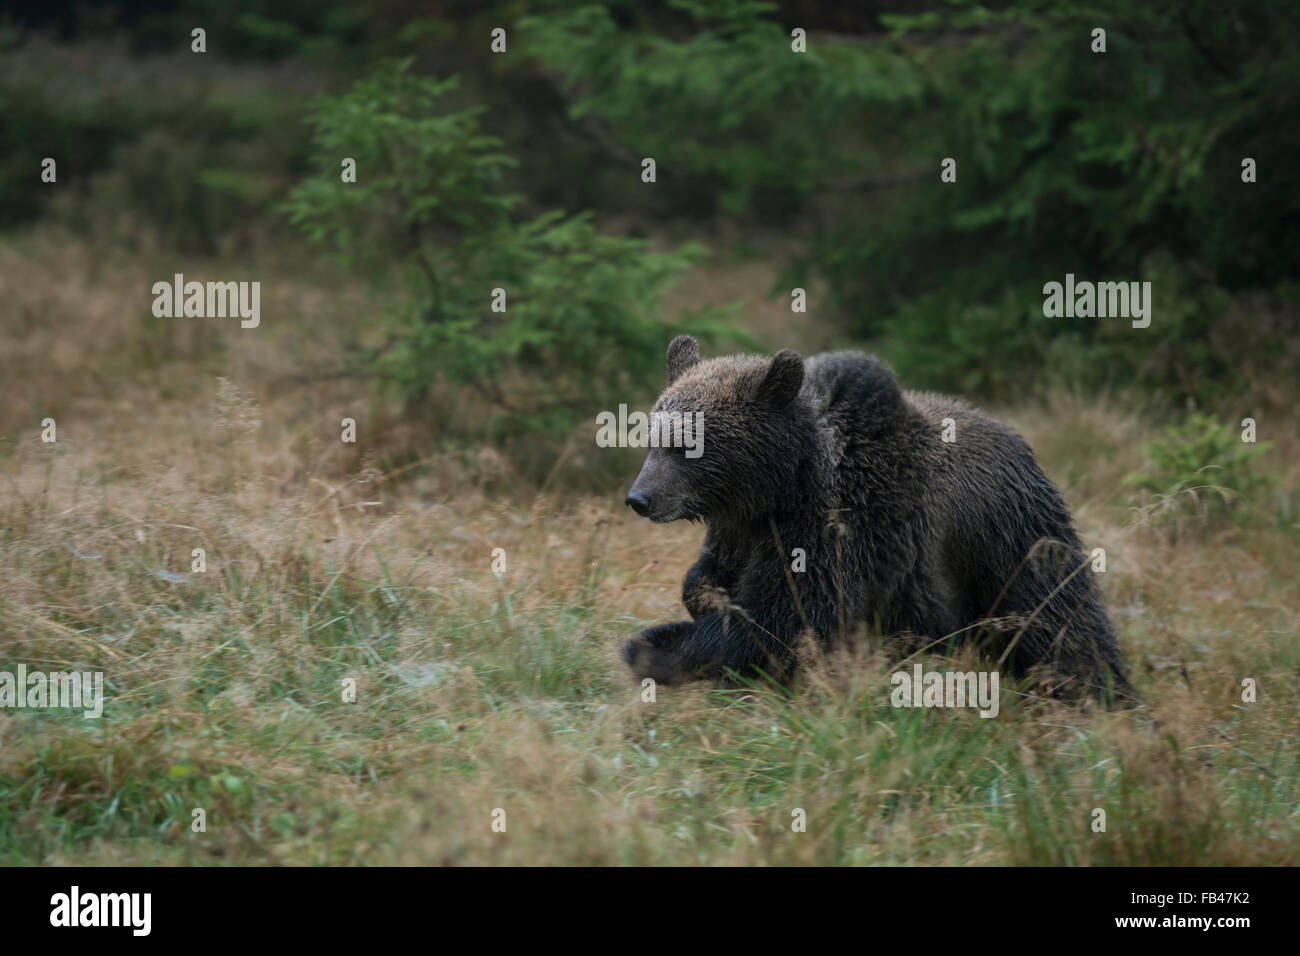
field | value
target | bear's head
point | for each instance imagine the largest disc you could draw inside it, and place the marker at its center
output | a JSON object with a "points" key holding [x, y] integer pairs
{"points": [[741, 431]]}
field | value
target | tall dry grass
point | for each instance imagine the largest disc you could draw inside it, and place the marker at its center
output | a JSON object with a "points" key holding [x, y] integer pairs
{"points": [[477, 692]]}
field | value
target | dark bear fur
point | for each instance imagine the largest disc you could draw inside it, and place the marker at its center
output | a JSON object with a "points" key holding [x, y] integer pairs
{"points": [[944, 541]]}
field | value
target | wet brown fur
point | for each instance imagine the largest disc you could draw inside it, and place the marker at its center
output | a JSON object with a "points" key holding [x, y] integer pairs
{"points": [[945, 542]]}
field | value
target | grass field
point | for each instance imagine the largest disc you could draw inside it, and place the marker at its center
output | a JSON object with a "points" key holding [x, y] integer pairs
{"points": [[478, 691]]}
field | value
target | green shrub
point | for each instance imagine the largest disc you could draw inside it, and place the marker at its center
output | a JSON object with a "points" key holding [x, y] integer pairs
{"points": [[1203, 462], [580, 326]]}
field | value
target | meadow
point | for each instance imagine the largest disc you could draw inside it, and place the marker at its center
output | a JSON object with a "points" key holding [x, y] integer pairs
{"points": [[478, 691]]}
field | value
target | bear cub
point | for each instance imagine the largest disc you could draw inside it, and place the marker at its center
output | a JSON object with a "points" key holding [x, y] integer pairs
{"points": [[831, 500]]}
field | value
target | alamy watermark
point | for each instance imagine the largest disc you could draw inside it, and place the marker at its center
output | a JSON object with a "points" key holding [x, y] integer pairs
{"points": [[1102, 300], [656, 430], [130, 910], [37, 689], [923, 688], [211, 300]]}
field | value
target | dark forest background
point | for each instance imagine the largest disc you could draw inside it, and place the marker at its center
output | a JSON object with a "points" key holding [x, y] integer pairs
{"points": [[522, 170]]}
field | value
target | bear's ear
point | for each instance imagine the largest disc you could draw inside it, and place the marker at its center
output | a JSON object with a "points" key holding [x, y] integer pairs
{"points": [[683, 352], [783, 380]]}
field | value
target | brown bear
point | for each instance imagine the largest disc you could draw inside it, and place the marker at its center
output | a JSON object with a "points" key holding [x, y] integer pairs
{"points": [[899, 529]]}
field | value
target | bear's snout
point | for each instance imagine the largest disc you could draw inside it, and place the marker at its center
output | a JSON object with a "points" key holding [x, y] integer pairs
{"points": [[638, 502], [657, 492]]}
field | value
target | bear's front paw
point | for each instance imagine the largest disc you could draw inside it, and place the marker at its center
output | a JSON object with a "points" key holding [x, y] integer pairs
{"points": [[646, 661], [654, 653]]}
